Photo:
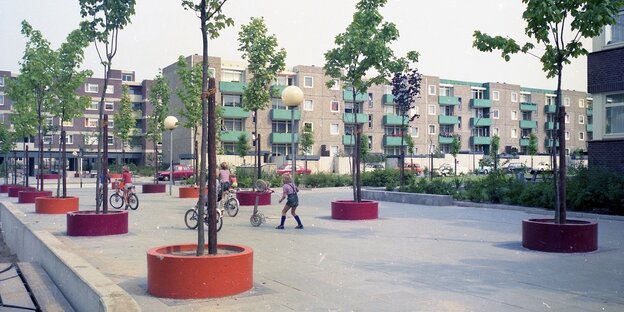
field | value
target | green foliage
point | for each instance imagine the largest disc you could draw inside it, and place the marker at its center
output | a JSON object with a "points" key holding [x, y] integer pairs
{"points": [[189, 92], [306, 141], [532, 148], [385, 177], [7, 139], [159, 98], [322, 179], [242, 146], [596, 189], [107, 17], [215, 20], [124, 119]]}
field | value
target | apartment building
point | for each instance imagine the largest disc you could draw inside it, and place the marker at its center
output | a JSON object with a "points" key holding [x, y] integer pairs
{"points": [[82, 131], [605, 81], [473, 111]]}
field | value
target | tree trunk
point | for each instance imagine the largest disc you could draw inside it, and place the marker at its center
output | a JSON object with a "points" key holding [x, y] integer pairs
{"points": [[103, 166], [202, 172], [63, 160], [561, 207]]}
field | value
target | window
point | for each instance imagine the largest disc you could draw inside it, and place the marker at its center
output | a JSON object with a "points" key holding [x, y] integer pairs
{"points": [[211, 72], [1, 98], [280, 126], [581, 103], [414, 132], [308, 105], [2, 119], [477, 93], [109, 106], [514, 133], [69, 139], [110, 89], [432, 90], [567, 136], [47, 140], [127, 77], [514, 115], [614, 112], [334, 106], [432, 129], [391, 110], [1, 81], [334, 129], [308, 82], [566, 101], [94, 105], [446, 90], [91, 122], [353, 108], [514, 97], [550, 99], [335, 150], [581, 136], [68, 123], [91, 88], [431, 109], [111, 124], [110, 140], [567, 118], [615, 33], [231, 100], [49, 121], [370, 120], [496, 95], [496, 131], [229, 148], [308, 127], [495, 114], [232, 75], [370, 100], [581, 119], [231, 124], [525, 97]]}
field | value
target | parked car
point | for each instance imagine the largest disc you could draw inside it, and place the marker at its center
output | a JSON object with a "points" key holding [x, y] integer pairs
{"points": [[448, 170], [484, 169], [180, 172], [375, 166], [514, 167], [288, 168], [541, 167]]}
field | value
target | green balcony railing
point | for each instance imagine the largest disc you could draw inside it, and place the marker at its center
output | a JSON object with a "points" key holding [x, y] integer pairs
{"points": [[348, 139], [284, 114], [445, 139], [480, 122], [234, 112], [390, 140], [347, 95], [549, 125], [390, 120], [448, 120], [360, 118], [387, 99], [549, 142], [480, 140], [481, 103], [589, 128], [528, 124], [232, 136], [524, 142], [231, 87], [448, 100], [283, 138], [528, 107], [550, 109], [590, 111]]}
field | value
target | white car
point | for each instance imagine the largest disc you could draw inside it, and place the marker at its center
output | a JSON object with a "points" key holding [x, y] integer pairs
{"points": [[448, 169]]}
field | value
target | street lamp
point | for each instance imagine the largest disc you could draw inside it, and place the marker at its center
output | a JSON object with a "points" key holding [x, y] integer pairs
{"points": [[171, 123], [292, 97], [78, 156]]}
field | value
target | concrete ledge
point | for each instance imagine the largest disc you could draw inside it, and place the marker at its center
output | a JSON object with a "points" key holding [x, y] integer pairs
{"points": [[408, 198], [86, 288]]}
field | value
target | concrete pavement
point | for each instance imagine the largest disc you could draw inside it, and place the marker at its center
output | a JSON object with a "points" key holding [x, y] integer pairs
{"points": [[414, 258]]}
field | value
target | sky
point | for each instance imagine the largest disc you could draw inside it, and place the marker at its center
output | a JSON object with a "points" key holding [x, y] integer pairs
{"points": [[162, 30]]}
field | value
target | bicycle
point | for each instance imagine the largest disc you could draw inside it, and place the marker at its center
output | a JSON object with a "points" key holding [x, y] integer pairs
{"points": [[190, 218], [229, 203], [123, 196]]}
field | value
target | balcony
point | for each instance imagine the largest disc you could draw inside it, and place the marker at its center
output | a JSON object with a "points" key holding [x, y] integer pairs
{"points": [[231, 87], [360, 118], [232, 136], [480, 103], [528, 107], [348, 139], [528, 124], [448, 100], [448, 120], [549, 143], [549, 125], [589, 128], [445, 139], [524, 142], [284, 114], [480, 122], [390, 140], [234, 112], [283, 138], [390, 120], [480, 140], [387, 99], [347, 95], [550, 109], [590, 111]]}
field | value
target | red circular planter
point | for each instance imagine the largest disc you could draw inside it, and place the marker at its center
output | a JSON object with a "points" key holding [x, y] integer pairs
{"points": [[350, 210], [4, 188], [546, 235], [248, 198], [14, 190], [56, 205], [48, 176], [28, 196], [190, 192], [154, 188], [88, 223], [175, 272], [115, 176]]}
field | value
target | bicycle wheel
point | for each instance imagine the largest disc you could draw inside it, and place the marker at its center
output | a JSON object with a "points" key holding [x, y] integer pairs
{"points": [[219, 220], [190, 219], [231, 206], [133, 201], [116, 201], [256, 219]]}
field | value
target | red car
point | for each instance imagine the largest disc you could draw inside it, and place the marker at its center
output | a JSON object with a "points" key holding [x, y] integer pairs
{"points": [[179, 172], [288, 169]]}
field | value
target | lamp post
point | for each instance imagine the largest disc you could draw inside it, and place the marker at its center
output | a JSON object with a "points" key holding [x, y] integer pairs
{"points": [[171, 122], [292, 97]]}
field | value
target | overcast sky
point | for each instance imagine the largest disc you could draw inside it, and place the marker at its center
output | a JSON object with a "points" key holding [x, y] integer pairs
{"points": [[161, 31]]}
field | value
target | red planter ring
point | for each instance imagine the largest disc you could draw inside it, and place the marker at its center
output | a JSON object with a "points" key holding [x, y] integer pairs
{"points": [[546, 235], [191, 277], [115, 176], [28, 196], [248, 198], [350, 210], [88, 223], [48, 176], [154, 188], [14, 190], [4, 188], [190, 192], [56, 205]]}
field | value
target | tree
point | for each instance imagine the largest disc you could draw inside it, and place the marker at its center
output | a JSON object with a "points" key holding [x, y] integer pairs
{"points": [[7, 143], [264, 63], [306, 141], [212, 20], [405, 89], [494, 146], [190, 76], [159, 98], [242, 146], [550, 23], [363, 48], [532, 148], [124, 120], [455, 147], [106, 19]]}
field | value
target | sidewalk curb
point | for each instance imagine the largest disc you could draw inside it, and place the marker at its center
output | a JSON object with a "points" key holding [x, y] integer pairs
{"points": [[86, 288]]}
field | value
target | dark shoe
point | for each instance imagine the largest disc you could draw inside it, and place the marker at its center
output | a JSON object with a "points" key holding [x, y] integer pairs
{"points": [[300, 226], [280, 227]]}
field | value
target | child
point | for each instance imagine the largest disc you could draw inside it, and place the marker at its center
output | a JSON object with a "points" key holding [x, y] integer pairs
{"points": [[289, 192], [224, 176]]}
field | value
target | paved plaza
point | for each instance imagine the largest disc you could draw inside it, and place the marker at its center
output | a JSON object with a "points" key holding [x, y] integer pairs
{"points": [[413, 258]]}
